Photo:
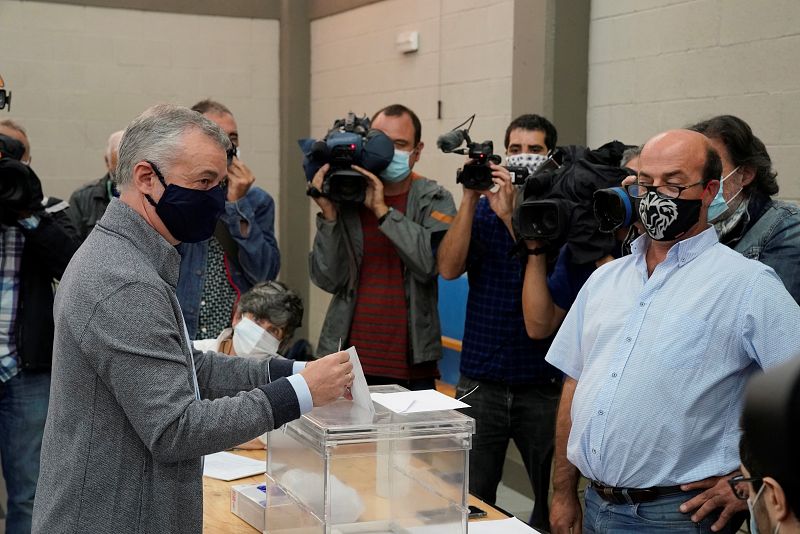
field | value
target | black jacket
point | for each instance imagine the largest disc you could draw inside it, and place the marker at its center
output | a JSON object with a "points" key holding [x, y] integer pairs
{"points": [[88, 204], [46, 253]]}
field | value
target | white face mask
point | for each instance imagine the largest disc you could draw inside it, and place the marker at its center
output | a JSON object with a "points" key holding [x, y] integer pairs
{"points": [[252, 341], [531, 161]]}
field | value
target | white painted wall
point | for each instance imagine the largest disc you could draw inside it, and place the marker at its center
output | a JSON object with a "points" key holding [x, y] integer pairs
{"points": [[660, 64], [79, 73], [464, 60]]}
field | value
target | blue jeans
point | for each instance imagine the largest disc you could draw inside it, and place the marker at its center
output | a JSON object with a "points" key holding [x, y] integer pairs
{"points": [[661, 515], [526, 414], [23, 410]]}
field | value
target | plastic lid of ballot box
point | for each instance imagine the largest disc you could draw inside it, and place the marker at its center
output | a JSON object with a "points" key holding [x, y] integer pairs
{"points": [[336, 471]]}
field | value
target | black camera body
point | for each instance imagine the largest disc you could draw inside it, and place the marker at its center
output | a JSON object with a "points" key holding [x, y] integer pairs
{"points": [[560, 199], [351, 141], [518, 174], [615, 208], [477, 174], [20, 188]]}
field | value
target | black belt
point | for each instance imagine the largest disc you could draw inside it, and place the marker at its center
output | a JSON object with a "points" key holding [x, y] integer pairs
{"points": [[633, 495]]}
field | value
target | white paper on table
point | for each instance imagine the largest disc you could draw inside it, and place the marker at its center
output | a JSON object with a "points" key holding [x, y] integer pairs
{"points": [[427, 400], [511, 525], [227, 466], [360, 390]]}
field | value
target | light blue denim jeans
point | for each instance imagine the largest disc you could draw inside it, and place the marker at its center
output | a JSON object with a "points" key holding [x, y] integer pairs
{"points": [[661, 515], [23, 410]]}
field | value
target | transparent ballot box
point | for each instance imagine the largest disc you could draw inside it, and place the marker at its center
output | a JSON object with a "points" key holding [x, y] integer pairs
{"points": [[337, 470]]}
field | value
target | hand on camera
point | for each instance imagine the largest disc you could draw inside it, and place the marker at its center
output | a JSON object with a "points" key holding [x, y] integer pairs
{"points": [[374, 195], [329, 378], [502, 195], [327, 207], [240, 179]]}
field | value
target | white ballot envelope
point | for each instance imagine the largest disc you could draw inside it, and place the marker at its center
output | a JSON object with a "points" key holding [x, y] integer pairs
{"points": [[359, 389], [228, 466], [426, 400]]}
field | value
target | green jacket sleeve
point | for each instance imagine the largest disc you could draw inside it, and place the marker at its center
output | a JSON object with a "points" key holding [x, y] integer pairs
{"points": [[417, 242], [329, 260]]}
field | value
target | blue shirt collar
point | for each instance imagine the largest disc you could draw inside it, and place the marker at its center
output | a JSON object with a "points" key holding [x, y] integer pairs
{"points": [[681, 252]]}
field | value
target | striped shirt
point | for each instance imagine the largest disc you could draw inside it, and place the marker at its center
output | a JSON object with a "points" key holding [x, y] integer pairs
{"points": [[11, 245], [379, 330]]}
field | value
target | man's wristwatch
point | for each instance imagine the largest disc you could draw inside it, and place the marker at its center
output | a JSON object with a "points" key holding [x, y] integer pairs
{"points": [[383, 217]]}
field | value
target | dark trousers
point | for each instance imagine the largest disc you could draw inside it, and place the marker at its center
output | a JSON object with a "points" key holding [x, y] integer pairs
{"points": [[526, 414]]}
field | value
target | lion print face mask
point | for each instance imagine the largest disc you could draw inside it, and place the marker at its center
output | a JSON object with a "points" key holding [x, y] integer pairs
{"points": [[666, 219]]}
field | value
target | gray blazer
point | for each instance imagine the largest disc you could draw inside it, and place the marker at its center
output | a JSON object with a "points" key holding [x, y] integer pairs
{"points": [[125, 434]]}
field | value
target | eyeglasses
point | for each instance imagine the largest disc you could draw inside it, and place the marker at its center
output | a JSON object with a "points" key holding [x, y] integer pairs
{"points": [[638, 190], [740, 488]]}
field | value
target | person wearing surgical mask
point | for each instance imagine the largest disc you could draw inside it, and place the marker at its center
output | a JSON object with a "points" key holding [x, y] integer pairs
{"points": [[265, 320], [746, 216], [773, 509], [378, 260], [770, 473], [263, 324]]}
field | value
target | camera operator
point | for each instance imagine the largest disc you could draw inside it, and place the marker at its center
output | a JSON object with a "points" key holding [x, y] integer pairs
{"points": [[35, 247], [242, 251], [378, 260], [89, 203], [51, 205], [517, 391]]}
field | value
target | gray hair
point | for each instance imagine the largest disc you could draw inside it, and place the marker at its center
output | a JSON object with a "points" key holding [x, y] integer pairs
{"points": [[275, 302], [630, 154], [113, 143], [157, 135]]}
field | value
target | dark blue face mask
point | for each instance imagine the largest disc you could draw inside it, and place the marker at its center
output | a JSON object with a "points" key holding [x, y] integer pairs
{"points": [[190, 215]]}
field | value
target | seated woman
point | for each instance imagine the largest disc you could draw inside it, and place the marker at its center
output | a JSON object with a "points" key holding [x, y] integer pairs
{"points": [[263, 323]]}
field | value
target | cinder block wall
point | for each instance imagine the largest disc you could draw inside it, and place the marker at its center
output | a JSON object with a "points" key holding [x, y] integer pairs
{"points": [[660, 64], [79, 73], [464, 61]]}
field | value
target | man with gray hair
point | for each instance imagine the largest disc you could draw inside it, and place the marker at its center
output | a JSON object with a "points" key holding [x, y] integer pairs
{"points": [[89, 203], [134, 406]]}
